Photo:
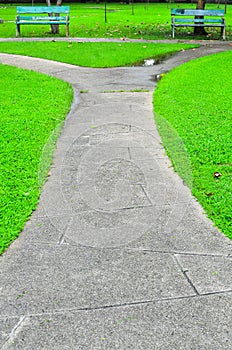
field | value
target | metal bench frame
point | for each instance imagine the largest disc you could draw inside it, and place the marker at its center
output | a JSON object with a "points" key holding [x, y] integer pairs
{"points": [[198, 19], [55, 15]]}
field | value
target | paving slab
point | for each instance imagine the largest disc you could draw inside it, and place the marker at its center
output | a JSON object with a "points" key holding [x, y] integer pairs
{"points": [[118, 254], [190, 323], [66, 277], [208, 273], [187, 231]]}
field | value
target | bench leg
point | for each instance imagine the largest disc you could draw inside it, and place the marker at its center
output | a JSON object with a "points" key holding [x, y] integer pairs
{"points": [[223, 33], [17, 30], [173, 32], [67, 30]]}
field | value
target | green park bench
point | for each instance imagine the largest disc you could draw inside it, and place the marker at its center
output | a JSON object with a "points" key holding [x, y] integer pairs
{"points": [[198, 18], [42, 15]]}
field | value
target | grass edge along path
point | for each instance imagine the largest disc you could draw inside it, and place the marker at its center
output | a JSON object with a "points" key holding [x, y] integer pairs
{"points": [[193, 101], [32, 112], [94, 54]]}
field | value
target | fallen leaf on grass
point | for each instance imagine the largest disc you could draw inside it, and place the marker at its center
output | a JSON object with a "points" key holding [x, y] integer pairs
{"points": [[217, 174], [209, 194]]}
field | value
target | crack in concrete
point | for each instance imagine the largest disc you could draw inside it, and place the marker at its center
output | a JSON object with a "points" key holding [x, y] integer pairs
{"points": [[134, 249], [16, 329], [184, 272], [112, 306]]}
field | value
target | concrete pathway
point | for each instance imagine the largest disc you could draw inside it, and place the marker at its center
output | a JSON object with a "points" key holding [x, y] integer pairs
{"points": [[118, 255]]}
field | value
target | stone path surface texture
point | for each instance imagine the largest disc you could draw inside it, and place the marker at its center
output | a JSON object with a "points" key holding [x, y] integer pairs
{"points": [[118, 255]]}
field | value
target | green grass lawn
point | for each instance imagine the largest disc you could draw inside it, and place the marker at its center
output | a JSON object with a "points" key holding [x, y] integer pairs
{"points": [[194, 101], [150, 21], [33, 107], [94, 54]]}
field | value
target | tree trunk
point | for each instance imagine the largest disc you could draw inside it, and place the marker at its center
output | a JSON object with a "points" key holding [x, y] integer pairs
{"points": [[54, 27], [200, 30]]}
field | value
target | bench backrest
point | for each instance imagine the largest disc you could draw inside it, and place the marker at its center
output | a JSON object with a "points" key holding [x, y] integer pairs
{"points": [[189, 12], [43, 9]]}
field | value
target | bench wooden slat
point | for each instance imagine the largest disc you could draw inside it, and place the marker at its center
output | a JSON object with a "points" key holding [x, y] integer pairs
{"points": [[43, 9], [199, 25], [186, 12], [197, 20], [42, 22], [36, 18]]}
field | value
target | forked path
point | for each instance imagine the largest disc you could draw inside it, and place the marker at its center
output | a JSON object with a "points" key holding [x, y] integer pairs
{"points": [[118, 255]]}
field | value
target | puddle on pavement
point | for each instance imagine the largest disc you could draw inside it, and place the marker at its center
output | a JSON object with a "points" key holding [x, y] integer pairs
{"points": [[147, 63], [151, 62], [156, 77]]}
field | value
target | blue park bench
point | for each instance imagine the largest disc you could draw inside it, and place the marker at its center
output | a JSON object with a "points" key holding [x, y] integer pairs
{"points": [[42, 15], [198, 18]]}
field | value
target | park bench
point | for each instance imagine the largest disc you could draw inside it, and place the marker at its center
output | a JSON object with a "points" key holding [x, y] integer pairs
{"points": [[53, 15], [198, 18]]}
